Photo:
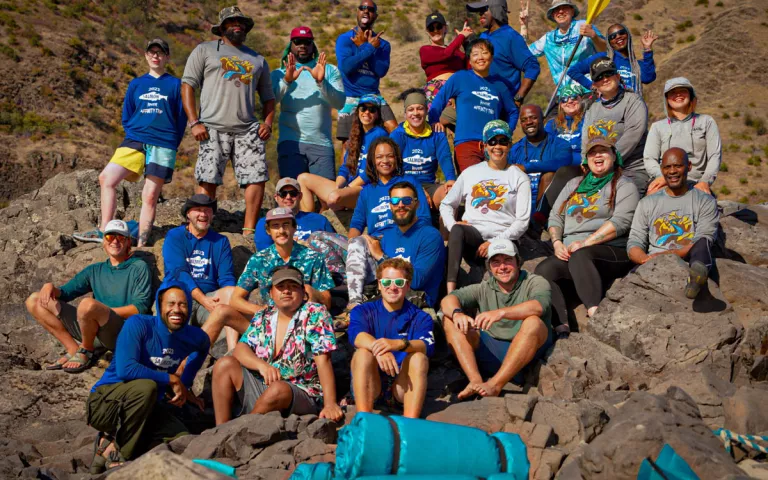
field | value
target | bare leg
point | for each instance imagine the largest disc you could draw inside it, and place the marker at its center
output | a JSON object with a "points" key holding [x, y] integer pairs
{"points": [[316, 185], [225, 294], [91, 314], [365, 379], [109, 179], [344, 197], [278, 396], [464, 347], [224, 316], [207, 189], [438, 197], [48, 318], [254, 195], [227, 380], [531, 337], [410, 386], [152, 187]]}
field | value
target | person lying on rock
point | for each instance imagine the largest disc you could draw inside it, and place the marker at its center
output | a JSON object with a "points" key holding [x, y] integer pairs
{"points": [[394, 339], [511, 329], [135, 404], [283, 360], [202, 259], [121, 287], [677, 219]]}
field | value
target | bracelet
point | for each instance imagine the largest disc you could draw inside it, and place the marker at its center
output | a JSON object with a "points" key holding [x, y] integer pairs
{"points": [[196, 122], [557, 240]]}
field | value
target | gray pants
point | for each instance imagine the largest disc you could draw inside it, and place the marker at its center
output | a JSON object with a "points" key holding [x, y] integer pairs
{"points": [[361, 268], [254, 387]]}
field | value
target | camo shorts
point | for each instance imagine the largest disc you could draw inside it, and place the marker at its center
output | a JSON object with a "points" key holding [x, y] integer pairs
{"points": [[246, 150]]}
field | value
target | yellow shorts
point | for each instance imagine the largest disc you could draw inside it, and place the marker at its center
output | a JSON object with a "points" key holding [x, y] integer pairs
{"points": [[131, 159]]}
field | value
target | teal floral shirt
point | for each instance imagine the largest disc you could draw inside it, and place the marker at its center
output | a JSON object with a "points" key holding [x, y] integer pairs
{"points": [[309, 334], [258, 271]]}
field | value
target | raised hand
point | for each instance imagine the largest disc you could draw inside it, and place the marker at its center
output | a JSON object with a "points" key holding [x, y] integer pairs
{"points": [[524, 12], [466, 30], [376, 40], [361, 36], [318, 72], [291, 72], [648, 38], [587, 30]]}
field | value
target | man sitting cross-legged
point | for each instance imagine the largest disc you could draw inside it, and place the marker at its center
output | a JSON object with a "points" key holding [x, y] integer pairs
{"points": [[512, 326], [283, 361], [394, 339]]}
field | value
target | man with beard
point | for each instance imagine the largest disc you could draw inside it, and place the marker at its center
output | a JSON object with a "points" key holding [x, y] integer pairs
{"points": [[417, 242], [678, 220], [135, 404], [363, 58], [229, 75], [308, 89], [539, 154]]}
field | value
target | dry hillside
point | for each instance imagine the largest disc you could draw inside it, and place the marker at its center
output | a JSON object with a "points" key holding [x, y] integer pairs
{"points": [[68, 63]]}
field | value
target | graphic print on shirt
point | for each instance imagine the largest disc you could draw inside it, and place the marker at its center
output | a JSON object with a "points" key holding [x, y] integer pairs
{"points": [[582, 207], [672, 229], [417, 160], [486, 97], [400, 253], [198, 264], [152, 97], [166, 362], [382, 210], [241, 71], [487, 195]]}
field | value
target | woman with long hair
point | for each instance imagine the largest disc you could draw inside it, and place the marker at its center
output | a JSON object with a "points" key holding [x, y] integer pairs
{"points": [[568, 122], [439, 60], [589, 224], [344, 191]]}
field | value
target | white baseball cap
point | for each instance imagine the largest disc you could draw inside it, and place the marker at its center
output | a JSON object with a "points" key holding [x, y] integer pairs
{"points": [[119, 227], [501, 246]]}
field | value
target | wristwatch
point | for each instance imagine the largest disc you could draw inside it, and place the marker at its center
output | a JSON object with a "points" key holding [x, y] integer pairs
{"points": [[196, 122], [405, 345], [518, 99], [456, 310]]}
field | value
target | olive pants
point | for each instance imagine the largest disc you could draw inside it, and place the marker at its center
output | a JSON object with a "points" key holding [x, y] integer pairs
{"points": [[130, 411]]}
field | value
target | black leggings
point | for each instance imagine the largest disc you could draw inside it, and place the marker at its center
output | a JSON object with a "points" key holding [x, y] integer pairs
{"points": [[588, 270], [562, 176], [463, 242]]}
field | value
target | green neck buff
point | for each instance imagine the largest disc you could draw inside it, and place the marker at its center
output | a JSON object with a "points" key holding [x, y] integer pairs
{"points": [[592, 184]]}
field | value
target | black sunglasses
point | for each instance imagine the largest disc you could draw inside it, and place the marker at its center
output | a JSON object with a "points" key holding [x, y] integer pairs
{"points": [[616, 34], [603, 76], [503, 141], [434, 27], [366, 8], [288, 193], [302, 41], [368, 108]]}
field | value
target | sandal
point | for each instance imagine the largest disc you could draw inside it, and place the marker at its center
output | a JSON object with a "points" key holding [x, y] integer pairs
{"points": [[82, 357], [341, 321], [93, 236], [59, 364], [100, 463]]}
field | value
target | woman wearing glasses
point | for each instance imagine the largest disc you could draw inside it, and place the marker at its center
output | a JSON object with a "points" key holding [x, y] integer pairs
{"points": [[497, 196], [344, 191], [634, 73], [438, 60]]}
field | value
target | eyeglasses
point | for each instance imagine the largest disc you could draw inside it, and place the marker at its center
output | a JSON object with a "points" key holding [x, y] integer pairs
{"points": [[366, 8], [617, 33], [288, 193], [387, 282], [603, 76], [304, 42], [503, 141], [369, 108], [111, 237], [573, 98], [155, 53], [434, 27], [407, 201]]}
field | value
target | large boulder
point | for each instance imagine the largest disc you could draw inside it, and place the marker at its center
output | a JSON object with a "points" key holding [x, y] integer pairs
{"points": [[165, 465], [745, 233]]}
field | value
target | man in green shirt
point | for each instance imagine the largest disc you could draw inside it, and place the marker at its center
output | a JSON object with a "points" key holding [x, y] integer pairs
{"points": [[512, 326], [121, 287]]}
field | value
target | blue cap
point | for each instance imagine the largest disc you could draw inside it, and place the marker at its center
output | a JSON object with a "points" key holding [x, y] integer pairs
{"points": [[494, 128], [369, 98]]}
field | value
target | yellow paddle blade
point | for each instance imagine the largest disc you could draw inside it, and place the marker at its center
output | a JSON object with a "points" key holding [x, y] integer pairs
{"points": [[594, 8]]}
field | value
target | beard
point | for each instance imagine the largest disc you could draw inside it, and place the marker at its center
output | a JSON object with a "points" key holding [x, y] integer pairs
{"points": [[235, 37], [406, 220]]}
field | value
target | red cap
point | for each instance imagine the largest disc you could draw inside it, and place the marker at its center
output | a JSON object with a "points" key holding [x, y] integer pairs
{"points": [[302, 32]]}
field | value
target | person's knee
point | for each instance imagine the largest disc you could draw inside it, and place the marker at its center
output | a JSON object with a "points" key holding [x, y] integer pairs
{"points": [[32, 303], [581, 258], [333, 198], [143, 388], [535, 328], [89, 306], [278, 393], [418, 364], [363, 360], [151, 192], [225, 295], [224, 366], [302, 179]]}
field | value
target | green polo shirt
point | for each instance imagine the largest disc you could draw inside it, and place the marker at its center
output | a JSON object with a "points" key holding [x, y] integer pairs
{"points": [[487, 295]]}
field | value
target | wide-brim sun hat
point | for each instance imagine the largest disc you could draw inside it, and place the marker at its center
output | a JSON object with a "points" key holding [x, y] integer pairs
{"points": [[229, 13], [559, 3]]}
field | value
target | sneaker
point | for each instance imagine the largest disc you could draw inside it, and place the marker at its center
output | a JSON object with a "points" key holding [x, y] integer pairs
{"points": [[93, 236], [697, 278]]}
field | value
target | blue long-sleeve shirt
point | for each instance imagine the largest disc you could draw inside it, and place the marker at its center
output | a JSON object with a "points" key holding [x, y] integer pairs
{"points": [[573, 138], [152, 111], [361, 67], [204, 263], [580, 71], [511, 57], [422, 155], [407, 323], [422, 245], [307, 222], [372, 208], [146, 349], [549, 155], [478, 101], [368, 137]]}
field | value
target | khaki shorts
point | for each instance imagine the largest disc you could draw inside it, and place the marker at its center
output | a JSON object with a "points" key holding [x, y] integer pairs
{"points": [[105, 337]]}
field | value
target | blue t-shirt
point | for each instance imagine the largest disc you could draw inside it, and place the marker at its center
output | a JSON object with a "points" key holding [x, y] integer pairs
{"points": [[372, 208], [307, 222], [478, 101], [549, 155], [511, 57], [152, 111], [421, 155], [580, 70], [368, 137], [204, 263], [422, 245], [361, 67], [572, 138], [407, 323]]}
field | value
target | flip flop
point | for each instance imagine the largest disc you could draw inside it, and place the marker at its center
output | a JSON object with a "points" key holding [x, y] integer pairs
{"points": [[92, 236], [83, 364], [58, 365]]}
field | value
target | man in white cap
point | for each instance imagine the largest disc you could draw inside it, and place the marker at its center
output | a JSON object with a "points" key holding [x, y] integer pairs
{"points": [[121, 287], [512, 326]]}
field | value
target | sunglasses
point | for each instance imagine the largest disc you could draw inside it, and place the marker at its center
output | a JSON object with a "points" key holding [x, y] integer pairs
{"points": [[503, 141], [305, 42], [369, 108], [573, 98], [387, 282], [407, 201], [288, 193], [111, 237], [434, 27], [617, 33], [603, 76], [366, 8]]}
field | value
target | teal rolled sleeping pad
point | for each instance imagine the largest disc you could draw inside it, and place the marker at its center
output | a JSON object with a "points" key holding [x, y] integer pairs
{"points": [[495, 476], [375, 445], [313, 471]]}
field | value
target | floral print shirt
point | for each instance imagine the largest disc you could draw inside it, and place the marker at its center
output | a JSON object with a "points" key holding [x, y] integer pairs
{"points": [[258, 271], [309, 334]]}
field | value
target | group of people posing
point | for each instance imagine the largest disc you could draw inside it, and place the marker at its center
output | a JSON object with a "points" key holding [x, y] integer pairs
{"points": [[611, 193]]}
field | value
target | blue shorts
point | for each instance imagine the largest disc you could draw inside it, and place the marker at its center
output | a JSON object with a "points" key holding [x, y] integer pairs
{"points": [[295, 158], [141, 158], [491, 352]]}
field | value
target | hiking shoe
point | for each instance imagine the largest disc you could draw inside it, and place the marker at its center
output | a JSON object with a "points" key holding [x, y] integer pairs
{"points": [[92, 236], [697, 277]]}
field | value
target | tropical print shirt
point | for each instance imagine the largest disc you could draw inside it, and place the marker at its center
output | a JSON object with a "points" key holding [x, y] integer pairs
{"points": [[309, 334]]}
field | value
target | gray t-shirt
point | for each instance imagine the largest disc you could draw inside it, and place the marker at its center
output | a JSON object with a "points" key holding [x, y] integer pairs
{"points": [[583, 214], [631, 117], [663, 222], [229, 78]]}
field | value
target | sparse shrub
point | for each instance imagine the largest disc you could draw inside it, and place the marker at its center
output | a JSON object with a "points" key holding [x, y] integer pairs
{"points": [[743, 200], [752, 104], [702, 2], [76, 43], [127, 69], [724, 190], [8, 21], [743, 180], [683, 26], [755, 161], [757, 123], [733, 148], [9, 52], [723, 167], [637, 17], [690, 38], [726, 116], [412, 68], [391, 83], [719, 4], [752, 193], [737, 114]]}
